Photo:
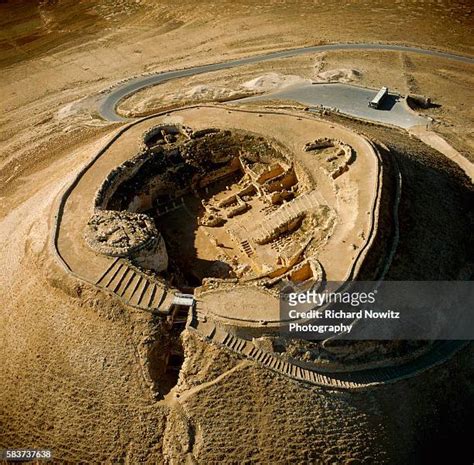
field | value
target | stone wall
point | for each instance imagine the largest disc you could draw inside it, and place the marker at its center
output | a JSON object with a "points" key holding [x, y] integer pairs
{"points": [[153, 257], [287, 224], [149, 249], [117, 177], [165, 133], [344, 157], [127, 235]]}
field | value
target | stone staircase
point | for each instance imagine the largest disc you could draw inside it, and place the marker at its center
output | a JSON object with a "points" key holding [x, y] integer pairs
{"points": [[216, 335], [289, 211], [245, 246], [336, 380], [135, 288]]}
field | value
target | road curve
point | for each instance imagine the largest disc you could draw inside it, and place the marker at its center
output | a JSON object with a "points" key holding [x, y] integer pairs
{"points": [[110, 101]]}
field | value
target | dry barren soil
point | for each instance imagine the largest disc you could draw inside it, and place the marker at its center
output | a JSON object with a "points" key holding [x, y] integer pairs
{"points": [[75, 365]]}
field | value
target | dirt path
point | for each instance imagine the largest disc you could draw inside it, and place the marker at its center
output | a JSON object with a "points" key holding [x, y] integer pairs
{"points": [[438, 143]]}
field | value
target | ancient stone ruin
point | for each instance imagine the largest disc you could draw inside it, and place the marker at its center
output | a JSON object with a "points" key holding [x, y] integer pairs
{"points": [[205, 226], [214, 203], [127, 235], [335, 156]]}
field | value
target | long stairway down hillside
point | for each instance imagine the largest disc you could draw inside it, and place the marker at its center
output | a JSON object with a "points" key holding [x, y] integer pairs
{"points": [[134, 288], [441, 352]]}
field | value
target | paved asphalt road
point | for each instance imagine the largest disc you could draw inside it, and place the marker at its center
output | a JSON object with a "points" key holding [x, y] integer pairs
{"points": [[111, 99], [352, 100]]}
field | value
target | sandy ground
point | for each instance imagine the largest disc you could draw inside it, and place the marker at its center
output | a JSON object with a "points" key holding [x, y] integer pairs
{"points": [[66, 353], [73, 361]]}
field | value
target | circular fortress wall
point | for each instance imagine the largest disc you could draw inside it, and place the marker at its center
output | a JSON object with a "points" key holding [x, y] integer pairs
{"points": [[242, 203]]}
